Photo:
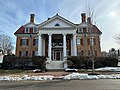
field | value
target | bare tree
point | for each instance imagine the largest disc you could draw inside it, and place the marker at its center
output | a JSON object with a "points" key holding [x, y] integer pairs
{"points": [[90, 11], [117, 38], [5, 43]]}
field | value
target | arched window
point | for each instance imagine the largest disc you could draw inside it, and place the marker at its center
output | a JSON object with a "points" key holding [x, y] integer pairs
{"points": [[57, 24]]}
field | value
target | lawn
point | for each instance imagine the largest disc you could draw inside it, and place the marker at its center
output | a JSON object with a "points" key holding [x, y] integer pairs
{"points": [[13, 71]]}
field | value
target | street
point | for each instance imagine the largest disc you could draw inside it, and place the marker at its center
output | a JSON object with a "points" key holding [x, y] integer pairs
{"points": [[108, 84]]}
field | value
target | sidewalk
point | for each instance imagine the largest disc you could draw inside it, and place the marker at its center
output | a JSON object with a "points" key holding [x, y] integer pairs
{"points": [[52, 73]]}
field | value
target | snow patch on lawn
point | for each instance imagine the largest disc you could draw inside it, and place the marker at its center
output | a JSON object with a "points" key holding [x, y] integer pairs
{"points": [[78, 76], [109, 69], [25, 77]]}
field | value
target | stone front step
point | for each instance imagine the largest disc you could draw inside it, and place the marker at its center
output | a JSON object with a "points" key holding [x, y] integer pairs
{"points": [[54, 65]]}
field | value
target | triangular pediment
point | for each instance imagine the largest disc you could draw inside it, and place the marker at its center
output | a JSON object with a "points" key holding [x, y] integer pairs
{"points": [[57, 22]]}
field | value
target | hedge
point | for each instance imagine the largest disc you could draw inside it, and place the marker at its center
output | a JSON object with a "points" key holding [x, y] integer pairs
{"points": [[39, 61], [80, 62], [106, 62], [13, 62]]}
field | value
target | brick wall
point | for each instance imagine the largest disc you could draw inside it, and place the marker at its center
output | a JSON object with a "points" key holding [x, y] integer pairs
{"points": [[86, 47], [28, 48]]}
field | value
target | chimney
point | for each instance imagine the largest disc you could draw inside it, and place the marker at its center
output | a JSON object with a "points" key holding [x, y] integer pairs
{"points": [[89, 20], [32, 18], [48, 18], [83, 17]]}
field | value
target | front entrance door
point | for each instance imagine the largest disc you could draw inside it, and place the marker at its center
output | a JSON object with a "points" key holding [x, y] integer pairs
{"points": [[57, 55]]}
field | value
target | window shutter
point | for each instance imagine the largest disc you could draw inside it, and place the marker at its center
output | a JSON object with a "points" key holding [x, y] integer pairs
{"points": [[33, 42], [31, 30], [82, 52], [94, 40], [26, 53], [95, 53], [81, 41], [84, 30], [20, 53], [20, 42], [27, 42], [88, 41], [33, 53]]}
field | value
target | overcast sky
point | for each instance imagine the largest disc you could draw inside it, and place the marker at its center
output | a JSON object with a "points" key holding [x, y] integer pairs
{"points": [[14, 13]]}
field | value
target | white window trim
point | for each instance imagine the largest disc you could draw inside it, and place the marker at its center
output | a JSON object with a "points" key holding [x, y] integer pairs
{"points": [[92, 41], [78, 38], [34, 30], [87, 29], [23, 53], [80, 30], [25, 39], [26, 29]]}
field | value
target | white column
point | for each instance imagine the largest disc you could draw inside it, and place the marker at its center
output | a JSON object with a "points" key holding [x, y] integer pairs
{"points": [[64, 50], [39, 45], [74, 45], [64, 45], [49, 46]]}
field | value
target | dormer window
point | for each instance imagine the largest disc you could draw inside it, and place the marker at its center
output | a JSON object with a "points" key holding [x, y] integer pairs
{"points": [[26, 30], [80, 30], [35, 30], [31, 29], [57, 24], [84, 29]]}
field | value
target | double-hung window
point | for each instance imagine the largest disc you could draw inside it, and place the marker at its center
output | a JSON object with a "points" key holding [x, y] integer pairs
{"points": [[35, 41], [23, 53], [78, 40], [26, 30], [24, 42]]}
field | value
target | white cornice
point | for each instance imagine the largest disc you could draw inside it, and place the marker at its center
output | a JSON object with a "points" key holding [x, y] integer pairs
{"points": [[27, 35], [57, 28]]}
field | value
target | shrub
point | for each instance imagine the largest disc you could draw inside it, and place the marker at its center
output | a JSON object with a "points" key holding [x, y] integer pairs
{"points": [[79, 62], [39, 61], [23, 62], [13, 62], [85, 62], [106, 61], [8, 61]]}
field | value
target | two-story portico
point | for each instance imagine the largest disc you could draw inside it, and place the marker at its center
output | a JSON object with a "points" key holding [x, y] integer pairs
{"points": [[59, 35], [56, 40]]}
